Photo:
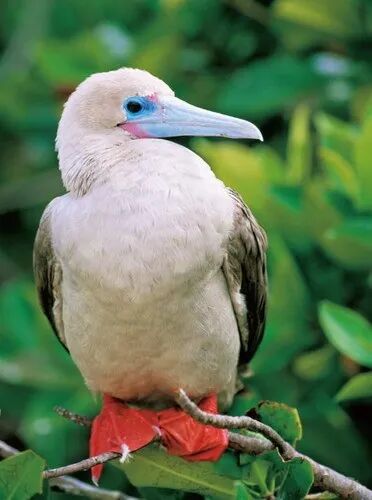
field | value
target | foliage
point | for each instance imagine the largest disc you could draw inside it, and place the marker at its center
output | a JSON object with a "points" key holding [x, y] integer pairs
{"points": [[20, 476], [301, 71]]}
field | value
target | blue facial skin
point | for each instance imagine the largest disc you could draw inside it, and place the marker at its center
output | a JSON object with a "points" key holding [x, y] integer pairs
{"points": [[138, 107]]}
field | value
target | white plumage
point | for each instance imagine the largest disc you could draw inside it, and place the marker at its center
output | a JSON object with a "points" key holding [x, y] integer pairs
{"points": [[131, 264]]}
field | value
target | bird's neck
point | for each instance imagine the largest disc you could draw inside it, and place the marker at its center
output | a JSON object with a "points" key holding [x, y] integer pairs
{"points": [[86, 160]]}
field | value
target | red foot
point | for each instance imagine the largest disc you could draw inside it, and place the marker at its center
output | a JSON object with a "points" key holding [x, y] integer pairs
{"points": [[122, 429], [185, 437]]}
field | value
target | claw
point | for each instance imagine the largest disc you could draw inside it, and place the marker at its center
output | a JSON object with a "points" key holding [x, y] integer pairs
{"points": [[125, 453]]}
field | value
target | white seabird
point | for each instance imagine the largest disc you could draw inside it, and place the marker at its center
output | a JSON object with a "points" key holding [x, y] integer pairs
{"points": [[150, 271]]}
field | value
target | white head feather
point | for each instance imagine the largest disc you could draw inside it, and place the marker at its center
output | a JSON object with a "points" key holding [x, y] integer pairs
{"points": [[88, 139]]}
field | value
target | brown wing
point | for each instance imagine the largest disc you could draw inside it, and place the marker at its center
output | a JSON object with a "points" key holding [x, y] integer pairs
{"points": [[245, 272], [48, 275]]}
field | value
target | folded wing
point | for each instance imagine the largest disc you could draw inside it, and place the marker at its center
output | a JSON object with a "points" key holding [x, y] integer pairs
{"points": [[48, 275], [245, 271]]}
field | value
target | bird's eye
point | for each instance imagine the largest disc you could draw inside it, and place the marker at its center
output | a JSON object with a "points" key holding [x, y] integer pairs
{"points": [[138, 107], [134, 106]]}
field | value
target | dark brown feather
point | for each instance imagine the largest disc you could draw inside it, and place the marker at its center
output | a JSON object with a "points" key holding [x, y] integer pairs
{"points": [[48, 276], [245, 271]]}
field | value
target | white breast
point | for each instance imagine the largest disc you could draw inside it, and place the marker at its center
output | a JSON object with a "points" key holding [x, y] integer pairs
{"points": [[158, 220], [138, 254]]}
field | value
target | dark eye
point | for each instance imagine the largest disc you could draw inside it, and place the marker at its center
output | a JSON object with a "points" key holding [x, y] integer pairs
{"points": [[134, 106]]}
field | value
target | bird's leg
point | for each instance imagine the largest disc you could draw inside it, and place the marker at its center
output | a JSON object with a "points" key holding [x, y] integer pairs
{"points": [[120, 428], [185, 437]]}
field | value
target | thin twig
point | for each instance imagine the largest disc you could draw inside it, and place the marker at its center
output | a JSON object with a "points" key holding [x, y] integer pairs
{"points": [[79, 488], [85, 464], [6, 450], [324, 477], [71, 485], [315, 496], [74, 417]]}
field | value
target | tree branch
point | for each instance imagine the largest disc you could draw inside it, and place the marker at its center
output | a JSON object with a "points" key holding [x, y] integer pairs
{"points": [[228, 422], [324, 477], [86, 464], [69, 484]]}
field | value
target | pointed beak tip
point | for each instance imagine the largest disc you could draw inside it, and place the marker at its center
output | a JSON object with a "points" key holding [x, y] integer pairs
{"points": [[248, 130], [256, 134]]}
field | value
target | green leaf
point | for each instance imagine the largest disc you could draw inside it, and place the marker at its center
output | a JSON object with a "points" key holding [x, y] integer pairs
{"points": [[243, 402], [21, 476], [350, 243], [286, 208], [298, 481], [158, 494], [228, 465], [341, 174], [153, 467], [363, 154], [283, 339], [238, 167], [336, 135], [315, 365], [299, 146], [358, 387], [305, 24], [241, 491], [348, 331], [254, 91], [269, 474], [319, 212], [68, 62], [284, 419], [256, 474]]}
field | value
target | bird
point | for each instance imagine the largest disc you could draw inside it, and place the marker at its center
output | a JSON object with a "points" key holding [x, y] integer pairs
{"points": [[151, 272]]}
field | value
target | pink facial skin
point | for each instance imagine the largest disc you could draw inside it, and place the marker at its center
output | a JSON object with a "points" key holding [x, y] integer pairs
{"points": [[135, 130]]}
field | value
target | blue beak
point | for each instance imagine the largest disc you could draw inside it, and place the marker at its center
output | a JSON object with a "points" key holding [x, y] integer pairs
{"points": [[173, 117]]}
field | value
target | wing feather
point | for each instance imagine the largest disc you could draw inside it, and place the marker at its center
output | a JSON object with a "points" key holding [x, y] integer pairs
{"points": [[48, 275], [245, 271]]}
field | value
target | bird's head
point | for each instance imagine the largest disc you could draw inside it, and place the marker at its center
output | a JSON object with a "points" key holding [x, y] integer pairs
{"points": [[137, 104], [109, 109]]}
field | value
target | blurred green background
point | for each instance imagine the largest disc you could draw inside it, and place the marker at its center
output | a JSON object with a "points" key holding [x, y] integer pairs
{"points": [[302, 71]]}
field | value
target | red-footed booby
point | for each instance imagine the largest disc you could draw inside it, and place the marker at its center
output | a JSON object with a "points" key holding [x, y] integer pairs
{"points": [[150, 271]]}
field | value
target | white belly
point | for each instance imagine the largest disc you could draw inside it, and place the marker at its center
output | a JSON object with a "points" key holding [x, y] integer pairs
{"points": [[146, 350]]}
